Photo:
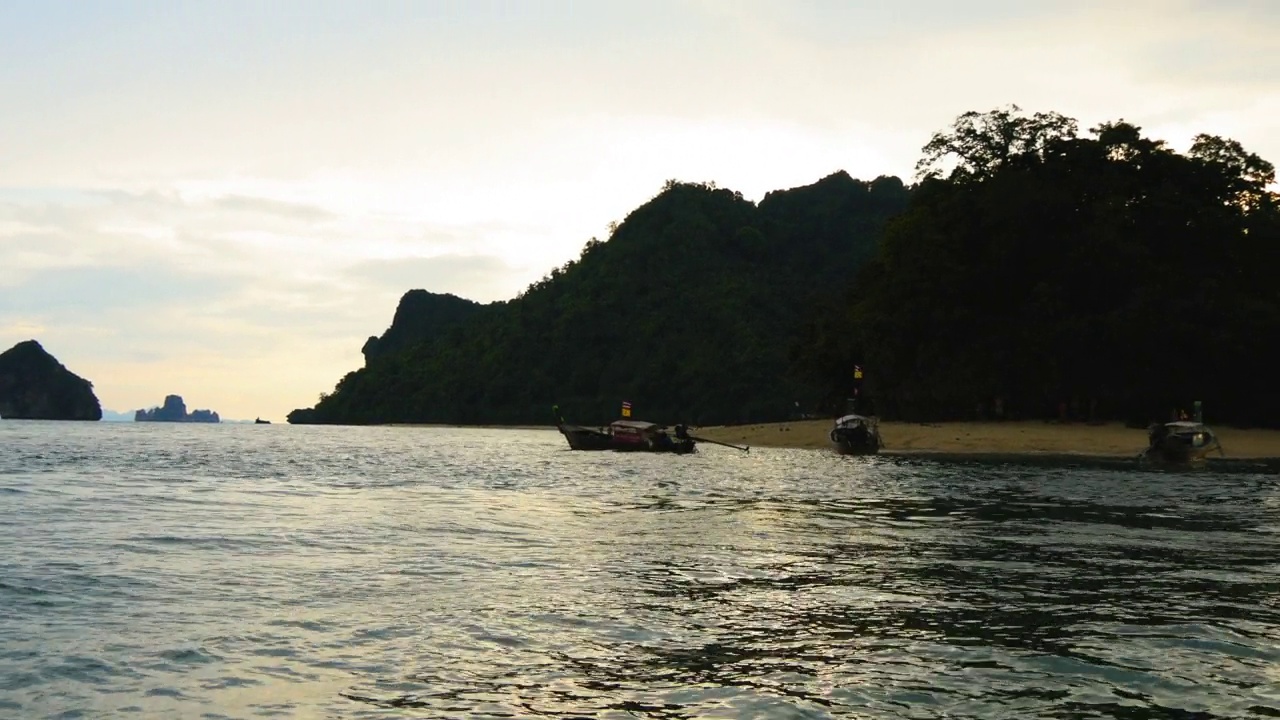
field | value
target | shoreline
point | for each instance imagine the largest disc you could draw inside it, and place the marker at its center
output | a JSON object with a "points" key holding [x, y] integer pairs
{"points": [[1016, 441], [1012, 439], [452, 426]]}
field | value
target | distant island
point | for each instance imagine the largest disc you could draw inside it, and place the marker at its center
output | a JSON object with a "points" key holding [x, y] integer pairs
{"points": [[175, 410], [35, 386]]}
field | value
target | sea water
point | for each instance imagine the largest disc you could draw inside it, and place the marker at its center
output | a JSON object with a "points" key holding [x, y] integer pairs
{"points": [[244, 571]]}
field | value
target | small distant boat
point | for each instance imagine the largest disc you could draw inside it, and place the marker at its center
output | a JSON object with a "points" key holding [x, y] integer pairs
{"points": [[1182, 442], [260, 421], [855, 434], [634, 436]]}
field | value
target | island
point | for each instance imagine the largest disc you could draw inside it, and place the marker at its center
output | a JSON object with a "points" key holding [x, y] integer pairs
{"points": [[1031, 272], [175, 410], [35, 386]]}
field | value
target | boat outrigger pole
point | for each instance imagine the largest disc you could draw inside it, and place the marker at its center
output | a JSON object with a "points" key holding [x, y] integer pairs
{"points": [[743, 448], [682, 433]]}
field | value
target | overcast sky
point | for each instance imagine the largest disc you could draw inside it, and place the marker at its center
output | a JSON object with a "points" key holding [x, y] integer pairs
{"points": [[222, 200]]}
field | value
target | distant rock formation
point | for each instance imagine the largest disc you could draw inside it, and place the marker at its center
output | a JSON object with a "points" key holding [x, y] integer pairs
{"points": [[175, 410], [35, 386], [302, 416]]}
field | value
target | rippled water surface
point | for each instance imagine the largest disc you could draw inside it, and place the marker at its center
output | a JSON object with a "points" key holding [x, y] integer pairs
{"points": [[252, 571]]}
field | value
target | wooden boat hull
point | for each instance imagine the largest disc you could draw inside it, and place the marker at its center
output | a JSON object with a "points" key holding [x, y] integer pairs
{"points": [[584, 438], [848, 444], [1180, 444], [856, 435], [1176, 454], [678, 447]]}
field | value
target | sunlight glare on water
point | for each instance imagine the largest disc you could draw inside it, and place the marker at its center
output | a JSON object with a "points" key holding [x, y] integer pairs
{"points": [[152, 570]]}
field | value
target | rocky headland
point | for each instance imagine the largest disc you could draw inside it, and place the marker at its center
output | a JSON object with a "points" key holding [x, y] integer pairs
{"points": [[35, 386]]}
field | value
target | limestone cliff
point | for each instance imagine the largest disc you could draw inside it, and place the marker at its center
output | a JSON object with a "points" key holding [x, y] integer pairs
{"points": [[420, 316], [175, 410], [35, 386]]}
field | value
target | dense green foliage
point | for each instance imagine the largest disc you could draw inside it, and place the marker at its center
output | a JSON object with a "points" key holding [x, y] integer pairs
{"points": [[420, 316], [1031, 271], [689, 311], [1105, 273], [35, 386]]}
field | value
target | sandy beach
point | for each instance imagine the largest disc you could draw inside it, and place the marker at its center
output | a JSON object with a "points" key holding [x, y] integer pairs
{"points": [[1032, 438], [1029, 438]]}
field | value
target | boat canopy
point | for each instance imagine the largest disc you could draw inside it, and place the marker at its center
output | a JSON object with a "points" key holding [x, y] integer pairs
{"points": [[1194, 434], [1185, 426], [853, 420], [637, 425]]}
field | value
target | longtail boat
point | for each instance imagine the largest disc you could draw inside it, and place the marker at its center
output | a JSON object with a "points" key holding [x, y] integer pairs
{"points": [[855, 434], [628, 436], [1180, 443]]}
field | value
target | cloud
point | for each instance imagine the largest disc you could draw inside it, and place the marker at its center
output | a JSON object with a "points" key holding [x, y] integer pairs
{"points": [[185, 203], [263, 206], [218, 295]]}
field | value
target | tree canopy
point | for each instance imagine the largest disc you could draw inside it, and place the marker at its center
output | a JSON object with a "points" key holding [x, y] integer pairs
{"points": [[1107, 273], [689, 310]]}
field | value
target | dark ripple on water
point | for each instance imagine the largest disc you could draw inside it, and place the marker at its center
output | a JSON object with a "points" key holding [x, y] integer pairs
{"points": [[233, 571]]}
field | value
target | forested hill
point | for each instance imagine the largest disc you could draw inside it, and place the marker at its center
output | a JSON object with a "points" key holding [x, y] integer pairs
{"points": [[690, 311], [35, 386], [1041, 269], [420, 316]]}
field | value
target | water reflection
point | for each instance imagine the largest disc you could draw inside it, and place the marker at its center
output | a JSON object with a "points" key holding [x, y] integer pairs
{"points": [[964, 597], [388, 573]]}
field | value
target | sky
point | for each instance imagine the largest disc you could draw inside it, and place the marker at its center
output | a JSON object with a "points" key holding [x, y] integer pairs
{"points": [[224, 199]]}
